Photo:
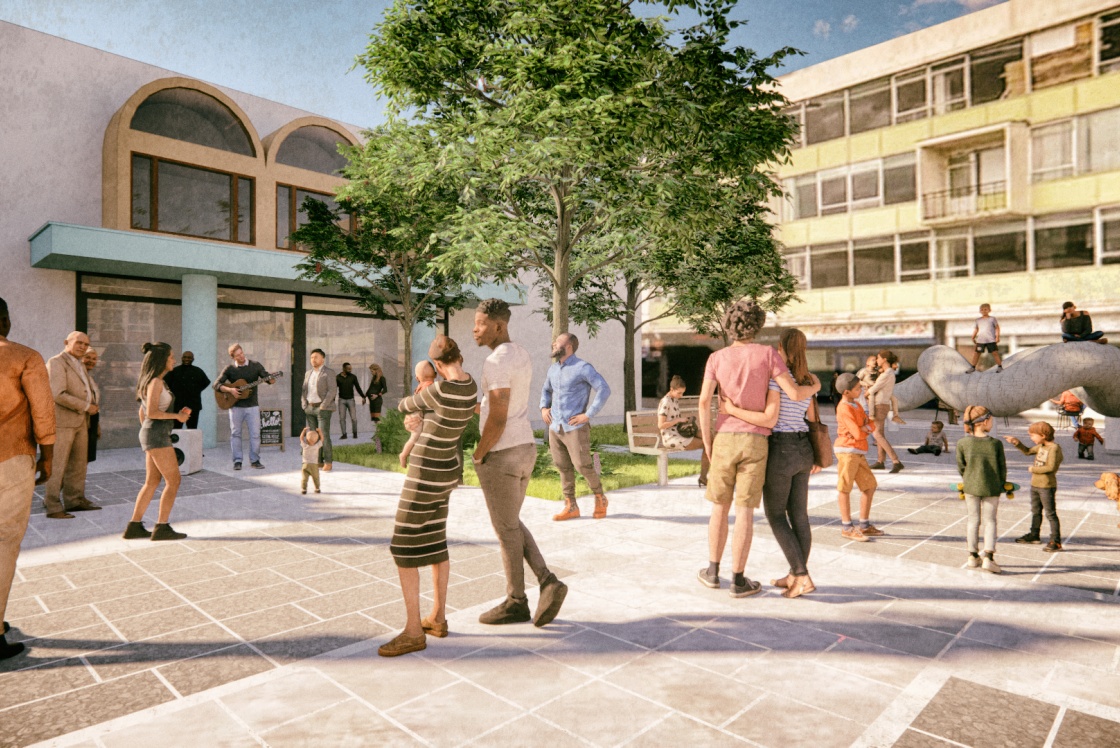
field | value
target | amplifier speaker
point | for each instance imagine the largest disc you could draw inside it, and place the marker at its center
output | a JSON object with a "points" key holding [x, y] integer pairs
{"points": [[188, 450]]}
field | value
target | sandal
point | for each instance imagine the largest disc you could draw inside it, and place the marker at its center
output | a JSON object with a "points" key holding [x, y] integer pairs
{"points": [[783, 582], [402, 644], [435, 629], [801, 586]]}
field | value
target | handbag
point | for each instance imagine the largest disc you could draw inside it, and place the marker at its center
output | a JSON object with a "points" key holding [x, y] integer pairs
{"points": [[690, 429], [819, 438]]}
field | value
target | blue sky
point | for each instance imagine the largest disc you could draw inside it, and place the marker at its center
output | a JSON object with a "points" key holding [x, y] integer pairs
{"points": [[299, 53]]}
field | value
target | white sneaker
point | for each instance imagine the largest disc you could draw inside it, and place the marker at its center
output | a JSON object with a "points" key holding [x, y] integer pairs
{"points": [[973, 562], [989, 564]]}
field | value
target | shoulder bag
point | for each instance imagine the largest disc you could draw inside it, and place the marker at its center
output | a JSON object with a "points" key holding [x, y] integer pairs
{"points": [[819, 437]]}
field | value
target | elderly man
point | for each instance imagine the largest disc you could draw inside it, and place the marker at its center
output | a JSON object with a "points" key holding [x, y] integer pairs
{"points": [[319, 399], [187, 383], [26, 420], [75, 400], [566, 410]]}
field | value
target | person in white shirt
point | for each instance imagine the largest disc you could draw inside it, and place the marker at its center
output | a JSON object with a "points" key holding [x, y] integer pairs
{"points": [[985, 338], [75, 401], [504, 460]]}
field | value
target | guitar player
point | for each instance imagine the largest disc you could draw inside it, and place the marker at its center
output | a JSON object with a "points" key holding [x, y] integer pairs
{"points": [[246, 411]]}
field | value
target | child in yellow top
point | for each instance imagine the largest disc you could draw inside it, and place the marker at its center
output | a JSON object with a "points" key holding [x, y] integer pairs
{"points": [[1044, 483]]}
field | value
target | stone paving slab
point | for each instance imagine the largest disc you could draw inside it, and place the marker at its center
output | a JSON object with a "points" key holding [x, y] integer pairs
{"points": [[252, 631], [121, 486]]}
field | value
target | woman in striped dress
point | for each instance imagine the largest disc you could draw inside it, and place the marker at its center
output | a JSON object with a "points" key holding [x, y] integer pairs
{"points": [[420, 535]]}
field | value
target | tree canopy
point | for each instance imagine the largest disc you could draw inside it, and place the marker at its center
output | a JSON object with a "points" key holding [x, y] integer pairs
{"points": [[580, 134], [387, 260]]}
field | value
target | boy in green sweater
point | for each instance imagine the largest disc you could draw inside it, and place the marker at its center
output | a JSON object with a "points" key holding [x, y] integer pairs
{"points": [[983, 466], [1044, 483]]}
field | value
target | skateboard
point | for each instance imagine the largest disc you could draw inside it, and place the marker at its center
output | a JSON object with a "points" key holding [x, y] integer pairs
{"points": [[1008, 488]]}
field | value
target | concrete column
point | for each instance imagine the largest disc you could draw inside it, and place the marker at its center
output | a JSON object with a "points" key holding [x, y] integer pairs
{"points": [[422, 337], [200, 336]]}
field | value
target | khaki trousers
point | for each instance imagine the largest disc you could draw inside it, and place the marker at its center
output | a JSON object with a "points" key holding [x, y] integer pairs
{"points": [[68, 471], [17, 484], [504, 476], [571, 451], [310, 470]]}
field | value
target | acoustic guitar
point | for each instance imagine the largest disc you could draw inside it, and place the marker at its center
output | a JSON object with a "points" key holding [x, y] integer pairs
{"points": [[225, 400]]}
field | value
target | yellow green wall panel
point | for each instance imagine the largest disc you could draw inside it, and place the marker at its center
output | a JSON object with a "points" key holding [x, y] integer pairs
{"points": [[794, 233], [1051, 103], [830, 229], [1077, 193], [965, 119]]}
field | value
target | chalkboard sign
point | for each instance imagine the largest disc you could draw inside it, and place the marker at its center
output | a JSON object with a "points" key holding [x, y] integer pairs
{"points": [[272, 428]]}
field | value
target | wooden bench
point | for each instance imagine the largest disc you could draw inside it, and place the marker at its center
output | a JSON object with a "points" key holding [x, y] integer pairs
{"points": [[645, 437]]}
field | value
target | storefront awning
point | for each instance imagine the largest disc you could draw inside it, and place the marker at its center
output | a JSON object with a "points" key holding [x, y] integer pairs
{"points": [[63, 246]]}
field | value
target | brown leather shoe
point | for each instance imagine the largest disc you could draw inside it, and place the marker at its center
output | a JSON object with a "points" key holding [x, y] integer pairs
{"points": [[328, 467], [402, 644], [571, 511], [433, 628], [60, 515], [600, 506], [88, 506]]}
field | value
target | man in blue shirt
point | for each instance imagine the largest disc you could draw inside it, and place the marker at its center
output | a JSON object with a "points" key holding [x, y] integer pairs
{"points": [[566, 410]]}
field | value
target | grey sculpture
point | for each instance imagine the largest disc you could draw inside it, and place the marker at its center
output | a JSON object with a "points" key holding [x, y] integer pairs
{"points": [[1028, 379]]}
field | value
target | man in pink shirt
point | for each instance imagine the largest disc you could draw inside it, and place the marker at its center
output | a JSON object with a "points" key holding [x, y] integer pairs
{"points": [[739, 448]]}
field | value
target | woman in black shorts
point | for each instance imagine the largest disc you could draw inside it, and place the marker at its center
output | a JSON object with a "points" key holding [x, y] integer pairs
{"points": [[156, 420], [377, 387]]}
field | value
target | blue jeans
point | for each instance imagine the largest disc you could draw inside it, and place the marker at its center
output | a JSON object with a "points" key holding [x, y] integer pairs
{"points": [[238, 418], [1094, 335]]}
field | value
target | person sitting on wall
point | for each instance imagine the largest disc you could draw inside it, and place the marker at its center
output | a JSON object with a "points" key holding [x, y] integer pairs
{"points": [[1077, 326]]}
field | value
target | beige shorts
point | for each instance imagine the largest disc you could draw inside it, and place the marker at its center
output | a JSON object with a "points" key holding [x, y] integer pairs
{"points": [[738, 469], [852, 469]]}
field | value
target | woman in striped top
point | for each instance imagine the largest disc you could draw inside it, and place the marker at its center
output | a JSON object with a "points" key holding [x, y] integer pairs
{"points": [[785, 495], [420, 534]]}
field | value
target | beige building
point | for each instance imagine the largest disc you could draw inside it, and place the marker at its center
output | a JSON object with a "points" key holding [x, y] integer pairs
{"points": [[974, 161]]}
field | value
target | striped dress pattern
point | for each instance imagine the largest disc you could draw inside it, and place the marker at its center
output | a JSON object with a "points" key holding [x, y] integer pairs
{"points": [[420, 534]]}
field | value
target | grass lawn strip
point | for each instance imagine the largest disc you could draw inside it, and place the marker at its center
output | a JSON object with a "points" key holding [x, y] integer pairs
{"points": [[620, 470]]}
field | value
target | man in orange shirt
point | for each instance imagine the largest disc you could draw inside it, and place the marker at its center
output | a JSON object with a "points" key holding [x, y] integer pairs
{"points": [[26, 419], [1071, 405]]}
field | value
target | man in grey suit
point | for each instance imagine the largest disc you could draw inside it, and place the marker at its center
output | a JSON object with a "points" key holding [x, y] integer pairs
{"points": [[319, 398], [75, 400]]}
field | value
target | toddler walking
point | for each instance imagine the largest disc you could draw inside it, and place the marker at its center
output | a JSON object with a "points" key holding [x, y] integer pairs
{"points": [[935, 442], [1044, 483], [983, 466], [426, 376], [1084, 436], [311, 444]]}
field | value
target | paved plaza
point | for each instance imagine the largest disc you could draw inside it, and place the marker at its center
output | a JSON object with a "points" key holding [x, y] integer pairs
{"points": [[262, 627]]}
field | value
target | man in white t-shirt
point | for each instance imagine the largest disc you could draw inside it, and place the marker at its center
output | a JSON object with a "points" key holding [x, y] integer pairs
{"points": [[504, 460], [985, 337]]}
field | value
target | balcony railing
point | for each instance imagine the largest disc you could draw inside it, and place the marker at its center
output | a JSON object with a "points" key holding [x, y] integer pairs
{"points": [[965, 201]]}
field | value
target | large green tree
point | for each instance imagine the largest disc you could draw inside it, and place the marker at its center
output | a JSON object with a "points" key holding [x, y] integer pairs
{"points": [[399, 201], [581, 133]]}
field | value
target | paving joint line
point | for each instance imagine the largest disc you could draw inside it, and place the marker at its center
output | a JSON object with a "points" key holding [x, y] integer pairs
{"points": [[383, 713], [113, 628], [1053, 556], [167, 684]]}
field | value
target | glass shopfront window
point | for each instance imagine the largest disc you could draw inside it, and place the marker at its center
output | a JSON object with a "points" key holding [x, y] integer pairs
{"points": [[265, 336], [360, 342], [117, 331]]}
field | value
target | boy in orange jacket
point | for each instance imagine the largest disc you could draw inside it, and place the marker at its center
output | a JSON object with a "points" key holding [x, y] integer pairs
{"points": [[852, 428]]}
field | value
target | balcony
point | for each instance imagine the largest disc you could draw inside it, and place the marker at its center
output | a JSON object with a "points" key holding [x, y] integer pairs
{"points": [[971, 201], [974, 176]]}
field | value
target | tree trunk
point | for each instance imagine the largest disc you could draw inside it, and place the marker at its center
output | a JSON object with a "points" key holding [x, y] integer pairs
{"points": [[629, 332], [560, 289], [406, 375]]}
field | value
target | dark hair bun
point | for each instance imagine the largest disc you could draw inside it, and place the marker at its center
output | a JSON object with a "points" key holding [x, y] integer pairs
{"points": [[147, 347]]}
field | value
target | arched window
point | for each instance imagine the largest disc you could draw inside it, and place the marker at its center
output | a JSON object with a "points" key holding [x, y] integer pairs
{"points": [[314, 148], [195, 117]]}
